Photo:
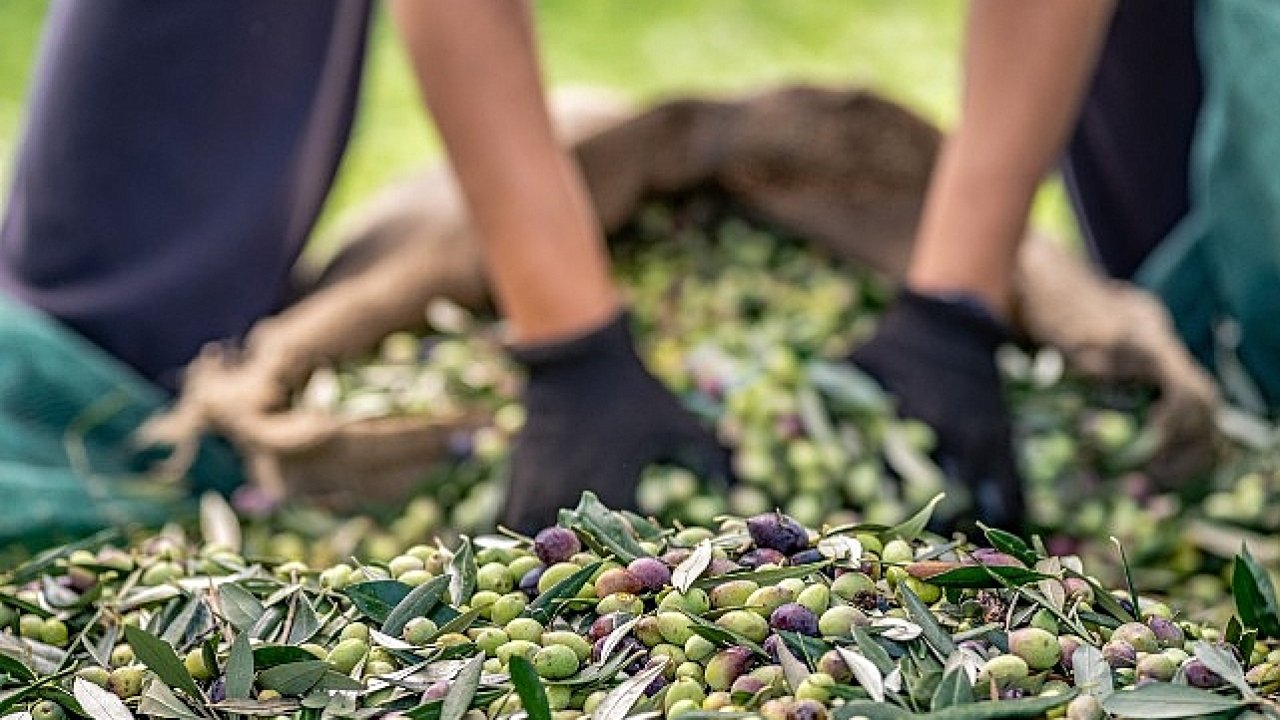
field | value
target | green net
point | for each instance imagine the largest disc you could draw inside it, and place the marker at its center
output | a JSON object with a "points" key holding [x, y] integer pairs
{"points": [[67, 415]]}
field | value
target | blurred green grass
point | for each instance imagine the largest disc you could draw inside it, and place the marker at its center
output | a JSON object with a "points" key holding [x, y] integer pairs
{"points": [[646, 50]]}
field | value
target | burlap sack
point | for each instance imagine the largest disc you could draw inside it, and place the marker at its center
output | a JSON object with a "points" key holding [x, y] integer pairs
{"points": [[844, 168]]}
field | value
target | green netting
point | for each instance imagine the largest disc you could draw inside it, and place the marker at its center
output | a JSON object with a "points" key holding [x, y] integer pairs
{"points": [[67, 414]]}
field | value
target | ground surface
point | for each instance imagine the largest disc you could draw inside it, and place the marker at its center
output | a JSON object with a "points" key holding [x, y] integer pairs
{"points": [[646, 50]]}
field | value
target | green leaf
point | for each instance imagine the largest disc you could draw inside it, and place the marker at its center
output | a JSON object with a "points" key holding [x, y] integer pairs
{"points": [[911, 528], [976, 577], [15, 668], [849, 389], [1010, 544], [293, 679], [763, 577], [160, 657], [809, 649], [239, 606], [334, 680], [98, 703], [1255, 596], [1033, 707], [529, 686], [257, 708], [873, 650], [1222, 662], [177, 628], [240, 668], [377, 598], [1102, 597], [459, 623], [544, 607], [792, 669], [939, 639], [305, 624], [953, 690], [1128, 575], [462, 690], [269, 656], [1091, 672], [1166, 700], [722, 637], [159, 701], [605, 527], [418, 603], [618, 703], [37, 565], [462, 572], [871, 710]]}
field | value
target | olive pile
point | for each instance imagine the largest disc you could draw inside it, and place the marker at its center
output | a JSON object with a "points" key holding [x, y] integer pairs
{"points": [[613, 616], [748, 326]]}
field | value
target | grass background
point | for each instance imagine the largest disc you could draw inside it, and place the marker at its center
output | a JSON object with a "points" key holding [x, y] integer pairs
{"points": [[644, 49]]}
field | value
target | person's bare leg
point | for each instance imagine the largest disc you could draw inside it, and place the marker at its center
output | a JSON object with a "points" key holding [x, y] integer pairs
{"points": [[477, 66]]}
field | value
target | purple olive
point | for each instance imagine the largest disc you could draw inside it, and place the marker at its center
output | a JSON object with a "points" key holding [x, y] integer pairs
{"points": [[770, 646], [556, 544], [652, 573], [529, 581], [1119, 654], [602, 626], [1199, 675], [807, 709], [436, 690], [805, 557], [779, 532], [796, 618], [747, 684], [761, 556], [676, 556], [721, 566], [1167, 632]]}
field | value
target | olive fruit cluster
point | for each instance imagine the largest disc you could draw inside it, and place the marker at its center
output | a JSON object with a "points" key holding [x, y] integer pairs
{"points": [[610, 614]]}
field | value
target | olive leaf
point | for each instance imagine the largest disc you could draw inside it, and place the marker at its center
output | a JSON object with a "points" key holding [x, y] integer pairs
{"points": [[939, 639], [618, 703], [420, 601], [462, 690], [545, 606], [462, 572], [1010, 544], [239, 606], [1128, 574], [1028, 708], [1222, 662], [377, 598], [159, 701], [848, 389], [873, 650], [865, 672], [159, 656], [603, 526], [1091, 672], [240, 669], [1166, 700], [1255, 595], [615, 637], [293, 679], [218, 522], [98, 703], [529, 687], [794, 670], [692, 567], [911, 528], [305, 624]]}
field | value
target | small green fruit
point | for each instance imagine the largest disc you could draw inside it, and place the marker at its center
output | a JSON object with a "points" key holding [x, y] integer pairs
{"points": [[194, 662], [555, 662], [347, 654], [746, 623], [1038, 648], [419, 630], [47, 710]]}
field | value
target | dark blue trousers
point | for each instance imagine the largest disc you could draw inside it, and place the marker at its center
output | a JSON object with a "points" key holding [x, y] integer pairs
{"points": [[176, 156]]}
